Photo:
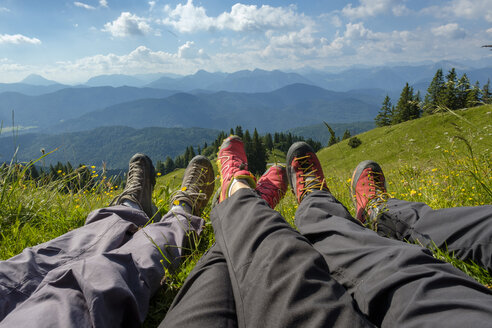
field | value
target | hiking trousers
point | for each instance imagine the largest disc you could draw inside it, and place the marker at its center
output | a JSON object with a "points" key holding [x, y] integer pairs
{"points": [[464, 231], [332, 273], [100, 275]]}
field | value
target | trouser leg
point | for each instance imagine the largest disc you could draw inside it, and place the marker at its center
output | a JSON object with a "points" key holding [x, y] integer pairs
{"points": [[106, 229], [278, 278], [110, 279], [465, 231], [206, 298], [395, 284]]}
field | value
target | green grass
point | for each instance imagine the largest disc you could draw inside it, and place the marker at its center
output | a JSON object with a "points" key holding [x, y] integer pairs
{"points": [[443, 160]]}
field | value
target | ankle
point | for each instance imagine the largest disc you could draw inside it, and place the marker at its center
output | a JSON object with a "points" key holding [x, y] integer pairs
{"points": [[237, 184]]}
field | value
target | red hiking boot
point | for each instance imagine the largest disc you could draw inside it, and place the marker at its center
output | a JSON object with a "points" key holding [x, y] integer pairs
{"points": [[272, 185], [233, 164], [304, 170], [368, 191]]}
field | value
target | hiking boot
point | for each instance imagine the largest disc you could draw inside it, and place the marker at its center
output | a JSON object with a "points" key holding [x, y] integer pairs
{"points": [[140, 183], [304, 170], [232, 164], [368, 191], [272, 185], [197, 186]]}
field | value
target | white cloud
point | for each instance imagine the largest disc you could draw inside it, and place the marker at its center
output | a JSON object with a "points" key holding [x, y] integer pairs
{"points": [[450, 31], [189, 18], [103, 3], [400, 10], [369, 8], [18, 39], [358, 32], [468, 9], [127, 25], [4, 10], [84, 5], [489, 31], [151, 5], [189, 51]]}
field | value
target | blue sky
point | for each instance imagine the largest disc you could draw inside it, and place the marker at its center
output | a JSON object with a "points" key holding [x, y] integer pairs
{"points": [[71, 41]]}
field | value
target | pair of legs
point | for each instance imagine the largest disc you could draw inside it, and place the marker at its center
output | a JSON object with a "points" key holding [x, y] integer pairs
{"points": [[333, 272], [104, 273]]}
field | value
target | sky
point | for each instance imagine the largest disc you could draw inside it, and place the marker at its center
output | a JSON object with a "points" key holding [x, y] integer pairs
{"points": [[71, 41]]}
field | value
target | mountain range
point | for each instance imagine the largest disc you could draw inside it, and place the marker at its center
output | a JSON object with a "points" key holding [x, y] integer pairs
{"points": [[78, 109], [92, 117]]}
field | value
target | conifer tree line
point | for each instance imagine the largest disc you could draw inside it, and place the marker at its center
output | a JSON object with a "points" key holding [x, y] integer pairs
{"points": [[256, 147], [444, 93]]}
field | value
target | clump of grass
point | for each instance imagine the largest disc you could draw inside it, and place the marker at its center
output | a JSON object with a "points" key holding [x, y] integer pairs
{"points": [[35, 211]]}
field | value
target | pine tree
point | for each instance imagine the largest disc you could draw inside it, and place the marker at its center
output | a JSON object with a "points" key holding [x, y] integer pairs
{"points": [[403, 109], [268, 141], [160, 168], [385, 115], [450, 99], [462, 90], [257, 155], [474, 96], [434, 97], [239, 131], [276, 138], [168, 165], [247, 143], [486, 93], [346, 135], [416, 106], [333, 139]]}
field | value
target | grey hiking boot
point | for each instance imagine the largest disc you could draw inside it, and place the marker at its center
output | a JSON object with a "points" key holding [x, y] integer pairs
{"points": [[197, 186], [304, 170], [140, 183]]}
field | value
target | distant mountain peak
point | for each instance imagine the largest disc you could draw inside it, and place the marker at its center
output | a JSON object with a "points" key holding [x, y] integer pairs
{"points": [[36, 79]]}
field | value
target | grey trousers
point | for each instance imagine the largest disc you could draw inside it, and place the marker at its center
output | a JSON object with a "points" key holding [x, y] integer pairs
{"points": [[262, 273], [102, 274], [465, 231]]}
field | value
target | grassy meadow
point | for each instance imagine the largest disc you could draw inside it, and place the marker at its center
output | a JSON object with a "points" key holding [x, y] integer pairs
{"points": [[443, 160]]}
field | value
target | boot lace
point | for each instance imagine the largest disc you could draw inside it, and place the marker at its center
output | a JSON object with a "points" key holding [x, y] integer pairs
{"points": [[377, 200], [311, 180]]}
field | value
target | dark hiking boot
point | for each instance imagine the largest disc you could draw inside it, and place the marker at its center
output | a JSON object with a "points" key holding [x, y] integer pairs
{"points": [[368, 191], [272, 185], [304, 170], [233, 164], [140, 183], [197, 186]]}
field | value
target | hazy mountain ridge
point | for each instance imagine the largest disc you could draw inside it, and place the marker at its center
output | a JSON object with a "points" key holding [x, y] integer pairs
{"points": [[284, 108], [49, 109]]}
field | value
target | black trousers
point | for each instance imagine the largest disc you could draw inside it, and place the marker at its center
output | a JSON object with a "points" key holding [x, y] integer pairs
{"points": [[263, 273]]}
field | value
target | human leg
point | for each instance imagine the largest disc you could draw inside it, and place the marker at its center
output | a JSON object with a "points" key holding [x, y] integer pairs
{"points": [[465, 231], [206, 298], [278, 278], [111, 288], [113, 285], [393, 283]]}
